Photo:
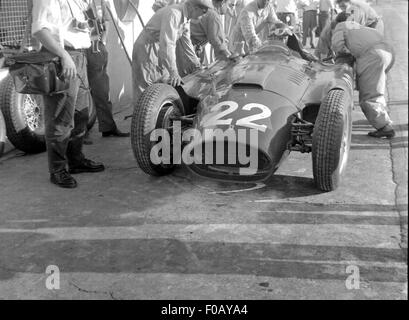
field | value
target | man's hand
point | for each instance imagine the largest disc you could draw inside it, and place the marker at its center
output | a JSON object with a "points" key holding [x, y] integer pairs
{"points": [[69, 69], [175, 79]]}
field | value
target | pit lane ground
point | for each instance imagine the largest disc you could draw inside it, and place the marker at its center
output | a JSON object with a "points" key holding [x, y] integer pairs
{"points": [[125, 235]]}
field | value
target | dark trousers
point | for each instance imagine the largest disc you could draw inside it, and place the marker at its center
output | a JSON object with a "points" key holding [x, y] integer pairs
{"points": [[322, 21], [99, 84], [309, 24], [66, 118]]}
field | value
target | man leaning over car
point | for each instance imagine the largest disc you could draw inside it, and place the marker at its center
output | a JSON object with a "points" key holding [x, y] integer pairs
{"points": [[61, 28]]}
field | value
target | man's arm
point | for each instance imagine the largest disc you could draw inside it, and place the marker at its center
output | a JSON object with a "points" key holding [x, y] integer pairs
{"points": [[48, 41], [248, 30], [338, 43]]}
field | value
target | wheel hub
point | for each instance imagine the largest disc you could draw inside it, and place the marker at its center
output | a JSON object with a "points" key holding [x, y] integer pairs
{"points": [[33, 114]]}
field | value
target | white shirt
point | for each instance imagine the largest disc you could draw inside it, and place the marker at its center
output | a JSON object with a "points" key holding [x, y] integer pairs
{"points": [[57, 16], [286, 6]]}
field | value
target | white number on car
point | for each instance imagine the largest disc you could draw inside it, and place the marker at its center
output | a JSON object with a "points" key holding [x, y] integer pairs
{"points": [[249, 122]]}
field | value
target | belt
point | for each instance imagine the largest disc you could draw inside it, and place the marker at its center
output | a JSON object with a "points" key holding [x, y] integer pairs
{"points": [[67, 48]]}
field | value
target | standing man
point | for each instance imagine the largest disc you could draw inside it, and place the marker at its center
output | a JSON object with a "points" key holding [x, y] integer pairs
{"points": [[61, 28], [287, 8], [252, 22], [97, 56], [326, 9], [309, 22], [154, 52], [362, 13], [374, 58]]}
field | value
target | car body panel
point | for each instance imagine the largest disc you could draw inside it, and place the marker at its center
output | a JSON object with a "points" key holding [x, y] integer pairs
{"points": [[273, 80]]}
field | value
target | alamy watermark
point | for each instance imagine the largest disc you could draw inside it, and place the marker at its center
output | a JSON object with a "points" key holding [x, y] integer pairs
{"points": [[210, 147]]}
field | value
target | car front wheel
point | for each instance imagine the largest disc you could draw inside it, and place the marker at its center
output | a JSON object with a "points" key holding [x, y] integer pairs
{"points": [[331, 140], [155, 109]]}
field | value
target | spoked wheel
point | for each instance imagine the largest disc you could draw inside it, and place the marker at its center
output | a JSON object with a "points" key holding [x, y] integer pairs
{"points": [[156, 108], [24, 117], [332, 140]]}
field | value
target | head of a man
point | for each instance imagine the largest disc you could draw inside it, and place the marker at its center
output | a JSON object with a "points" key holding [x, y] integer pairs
{"points": [[341, 17], [344, 4], [263, 3], [197, 8], [221, 6]]}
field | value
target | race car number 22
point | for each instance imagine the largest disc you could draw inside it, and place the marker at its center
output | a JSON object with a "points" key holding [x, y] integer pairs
{"points": [[216, 117]]}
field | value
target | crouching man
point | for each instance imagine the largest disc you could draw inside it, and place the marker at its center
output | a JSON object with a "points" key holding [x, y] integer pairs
{"points": [[61, 28], [374, 58]]}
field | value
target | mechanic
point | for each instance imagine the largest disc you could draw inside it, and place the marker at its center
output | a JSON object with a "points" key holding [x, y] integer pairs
{"points": [[362, 13], [374, 58], [309, 21], [61, 28], [97, 58], [326, 10], [323, 49], [250, 30], [154, 52], [232, 15], [208, 28], [287, 8]]}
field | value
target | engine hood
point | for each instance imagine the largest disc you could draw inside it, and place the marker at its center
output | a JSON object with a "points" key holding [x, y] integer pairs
{"points": [[273, 68]]}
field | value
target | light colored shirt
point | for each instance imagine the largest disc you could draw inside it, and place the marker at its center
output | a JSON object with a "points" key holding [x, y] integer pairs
{"points": [[308, 5], [251, 22], [167, 26], [326, 5], [351, 37], [362, 13], [286, 6], [57, 16], [209, 28]]}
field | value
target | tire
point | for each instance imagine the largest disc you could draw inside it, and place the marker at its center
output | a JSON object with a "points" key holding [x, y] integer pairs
{"points": [[2, 134], [331, 140], [152, 111], [24, 119]]}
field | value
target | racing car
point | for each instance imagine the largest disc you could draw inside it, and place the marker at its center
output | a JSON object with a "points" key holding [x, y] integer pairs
{"points": [[264, 105]]}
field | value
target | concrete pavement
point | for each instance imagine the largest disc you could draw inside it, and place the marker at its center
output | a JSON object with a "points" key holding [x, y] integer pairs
{"points": [[124, 235]]}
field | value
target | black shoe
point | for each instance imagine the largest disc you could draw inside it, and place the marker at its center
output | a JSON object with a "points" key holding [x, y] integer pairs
{"points": [[380, 133], [115, 133], [63, 179], [87, 165]]}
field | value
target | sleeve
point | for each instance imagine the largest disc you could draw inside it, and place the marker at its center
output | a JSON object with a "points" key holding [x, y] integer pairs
{"points": [[272, 16], [167, 41], [189, 50], [213, 25], [338, 42], [248, 30], [46, 14]]}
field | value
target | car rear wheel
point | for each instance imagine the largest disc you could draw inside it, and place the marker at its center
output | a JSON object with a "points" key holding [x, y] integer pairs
{"points": [[2, 134], [24, 117], [155, 109], [331, 140]]}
